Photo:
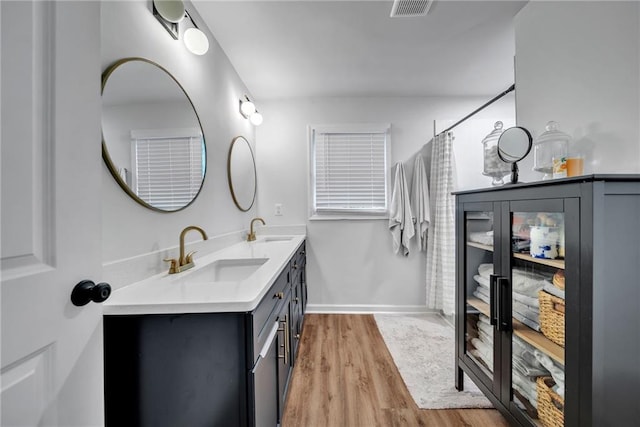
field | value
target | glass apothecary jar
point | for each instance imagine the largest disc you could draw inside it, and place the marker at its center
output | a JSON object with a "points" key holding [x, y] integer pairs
{"points": [[549, 145], [493, 165]]}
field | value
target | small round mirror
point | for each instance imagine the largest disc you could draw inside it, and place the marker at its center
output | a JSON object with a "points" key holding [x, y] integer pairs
{"points": [[514, 145], [241, 172]]}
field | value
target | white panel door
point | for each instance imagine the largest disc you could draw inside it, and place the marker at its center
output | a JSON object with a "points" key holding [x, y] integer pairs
{"points": [[51, 355]]}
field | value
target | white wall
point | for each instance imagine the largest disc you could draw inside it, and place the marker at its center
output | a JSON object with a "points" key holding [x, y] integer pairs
{"points": [[350, 263], [130, 30], [578, 63]]}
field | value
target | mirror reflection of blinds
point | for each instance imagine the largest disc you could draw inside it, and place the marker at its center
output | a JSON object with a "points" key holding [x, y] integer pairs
{"points": [[169, 171], [350, 172]]}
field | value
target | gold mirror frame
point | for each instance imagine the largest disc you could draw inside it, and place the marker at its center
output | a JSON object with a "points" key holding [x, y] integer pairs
{"points": [[105, 152], [230, 178]]}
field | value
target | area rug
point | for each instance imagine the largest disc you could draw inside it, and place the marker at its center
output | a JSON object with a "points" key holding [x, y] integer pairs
{"points": [[423, 349]]}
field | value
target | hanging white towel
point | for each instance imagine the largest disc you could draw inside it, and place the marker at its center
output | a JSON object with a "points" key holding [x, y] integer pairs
{"points": [[420, 202], [400, 217]]}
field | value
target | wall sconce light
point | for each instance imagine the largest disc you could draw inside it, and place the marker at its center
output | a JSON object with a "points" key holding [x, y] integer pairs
{"points": [[195, 40], [170, 13], [248, 111]]}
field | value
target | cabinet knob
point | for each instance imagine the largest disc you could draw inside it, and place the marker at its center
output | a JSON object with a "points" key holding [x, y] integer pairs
{"points": [[87, 291], [279, 295], [297, 336]]}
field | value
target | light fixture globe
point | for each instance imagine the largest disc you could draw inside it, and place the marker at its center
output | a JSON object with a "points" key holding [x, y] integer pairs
{"points": [[196, 41], [170, 10], [256, 119], [247, 108]]}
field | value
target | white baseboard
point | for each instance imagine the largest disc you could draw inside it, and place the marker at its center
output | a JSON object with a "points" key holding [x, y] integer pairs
{"points": [[368, 309]]}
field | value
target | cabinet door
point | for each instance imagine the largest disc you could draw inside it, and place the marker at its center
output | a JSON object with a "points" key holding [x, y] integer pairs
{"points": [[284, 352], [532, 302], [265, 381], [296, 318], [477, 338]]}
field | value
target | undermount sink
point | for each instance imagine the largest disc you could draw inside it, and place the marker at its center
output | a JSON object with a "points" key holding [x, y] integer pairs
{"points": [[276, 239], [227, 270]]}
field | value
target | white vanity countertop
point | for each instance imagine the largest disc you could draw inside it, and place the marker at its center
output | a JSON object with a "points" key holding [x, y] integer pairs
{"points": [[178, 293]]}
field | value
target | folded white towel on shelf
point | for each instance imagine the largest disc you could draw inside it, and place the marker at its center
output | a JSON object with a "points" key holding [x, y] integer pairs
{"points": [[484, 319], [524, 359], [482, 297], [485, 270], [557, 371], [485, 349], [482, 281], [530, 323], [400, 216], [484, 291], [420, 202], [533, 303], [486, 329], [482, 237], [526, 387], [531, 313], [553, 290]]}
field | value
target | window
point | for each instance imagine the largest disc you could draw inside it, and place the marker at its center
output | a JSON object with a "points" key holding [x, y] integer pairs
{"points": [[349, 170], [168, 166]]}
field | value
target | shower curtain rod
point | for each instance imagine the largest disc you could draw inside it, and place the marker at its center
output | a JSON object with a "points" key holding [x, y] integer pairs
{"points": [[511, 89]]}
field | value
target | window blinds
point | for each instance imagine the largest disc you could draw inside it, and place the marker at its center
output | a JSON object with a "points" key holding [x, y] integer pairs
{"points": [[350, 172], [168, 170]]}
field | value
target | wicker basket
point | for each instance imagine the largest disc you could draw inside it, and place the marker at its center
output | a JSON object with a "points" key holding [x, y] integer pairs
{"points": [[549, 403], [551, 319]]}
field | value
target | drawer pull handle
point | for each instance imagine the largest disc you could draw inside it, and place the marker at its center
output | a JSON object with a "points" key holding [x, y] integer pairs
{"points": [[286, 346], [279, 295]]}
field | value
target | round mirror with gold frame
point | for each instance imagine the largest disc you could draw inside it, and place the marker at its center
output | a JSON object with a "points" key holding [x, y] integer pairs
{"points": [[241, 172], [152, 138]]}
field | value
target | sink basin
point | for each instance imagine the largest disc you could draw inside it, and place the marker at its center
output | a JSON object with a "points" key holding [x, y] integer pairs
{"points": [[276, 239], [227, 270]]}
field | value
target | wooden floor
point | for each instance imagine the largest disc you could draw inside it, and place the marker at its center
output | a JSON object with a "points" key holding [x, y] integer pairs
{"points": [[345, 377]]}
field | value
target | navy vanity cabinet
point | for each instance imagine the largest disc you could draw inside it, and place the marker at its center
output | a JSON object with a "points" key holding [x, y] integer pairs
{"points": [[547, 299], [201, 369]]}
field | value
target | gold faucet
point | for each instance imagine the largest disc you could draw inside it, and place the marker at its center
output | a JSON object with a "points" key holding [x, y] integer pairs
{"points": [[184, 262], [252, 234]]}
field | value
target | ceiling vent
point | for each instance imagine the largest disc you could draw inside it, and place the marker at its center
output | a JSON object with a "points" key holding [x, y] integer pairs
{"points": [[409, 8]]}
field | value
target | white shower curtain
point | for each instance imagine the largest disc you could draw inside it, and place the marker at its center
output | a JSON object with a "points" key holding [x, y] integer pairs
{"points": [[441, 254]]}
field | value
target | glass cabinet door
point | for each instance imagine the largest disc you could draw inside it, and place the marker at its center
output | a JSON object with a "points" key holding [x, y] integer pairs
{"points": [[479, 333], [534, 295]]}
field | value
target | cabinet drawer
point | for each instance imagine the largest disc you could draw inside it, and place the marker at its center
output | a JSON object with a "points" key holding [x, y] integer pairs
{"points": [[265, 314]]}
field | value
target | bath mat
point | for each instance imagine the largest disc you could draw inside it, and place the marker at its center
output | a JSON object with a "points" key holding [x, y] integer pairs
{"points": [[423, 349]]}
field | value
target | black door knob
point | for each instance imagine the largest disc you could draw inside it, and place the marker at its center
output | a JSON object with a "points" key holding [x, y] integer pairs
{"points": [[86, 291]]}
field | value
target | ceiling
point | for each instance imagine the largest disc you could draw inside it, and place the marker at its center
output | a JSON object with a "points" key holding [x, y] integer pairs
{"points": [[307, 48]]}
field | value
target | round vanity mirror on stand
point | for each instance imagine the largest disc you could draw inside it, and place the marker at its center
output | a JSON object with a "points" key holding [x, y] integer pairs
{"points": [[152, 139], [513, 145], [241, 172]]}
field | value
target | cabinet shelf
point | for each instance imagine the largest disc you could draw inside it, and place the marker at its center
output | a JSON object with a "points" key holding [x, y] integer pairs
{"points": [[536, 339], [480, 246], [557, 263]]}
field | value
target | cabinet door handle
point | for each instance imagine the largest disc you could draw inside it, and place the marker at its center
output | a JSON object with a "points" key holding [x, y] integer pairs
{"points": [[504, 304], [493, 315], [285, 346]]}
